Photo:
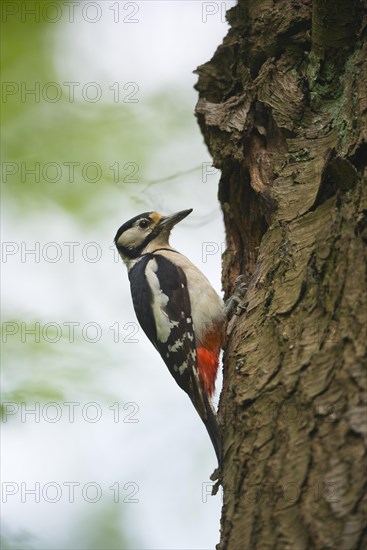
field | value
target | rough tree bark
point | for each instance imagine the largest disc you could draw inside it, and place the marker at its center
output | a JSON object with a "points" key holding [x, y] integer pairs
{"points": [[283, 109]]}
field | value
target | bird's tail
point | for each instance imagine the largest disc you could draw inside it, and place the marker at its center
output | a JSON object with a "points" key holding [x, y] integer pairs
{"points": [[211, 424], [200, 400]]}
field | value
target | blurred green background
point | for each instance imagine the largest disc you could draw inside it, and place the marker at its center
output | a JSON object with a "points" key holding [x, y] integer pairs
{"points": [[97, 119]]}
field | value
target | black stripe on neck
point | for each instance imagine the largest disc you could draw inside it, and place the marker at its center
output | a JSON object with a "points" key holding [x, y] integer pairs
{"points": [[156, 250]]}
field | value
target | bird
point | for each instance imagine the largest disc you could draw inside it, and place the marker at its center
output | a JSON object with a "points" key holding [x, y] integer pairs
{"points": [[177, 308]]}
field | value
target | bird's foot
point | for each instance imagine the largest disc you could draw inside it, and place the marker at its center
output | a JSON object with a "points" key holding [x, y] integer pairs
{"points": [[216, 476], [236, 304]]}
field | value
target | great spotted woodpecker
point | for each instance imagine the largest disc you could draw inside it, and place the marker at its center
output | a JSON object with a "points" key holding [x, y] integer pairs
{"points": [[177, 308]]}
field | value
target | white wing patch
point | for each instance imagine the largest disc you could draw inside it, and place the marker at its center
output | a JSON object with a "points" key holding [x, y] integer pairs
{"points": [[178, 344], [159, 301], [182, 368]]}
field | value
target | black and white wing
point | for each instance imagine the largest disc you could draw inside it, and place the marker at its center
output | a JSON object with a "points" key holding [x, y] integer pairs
{"points": [[162, 305]]}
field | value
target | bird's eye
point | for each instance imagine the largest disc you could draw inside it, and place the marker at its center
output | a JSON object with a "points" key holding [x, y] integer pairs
{"points": [[143, 224]]}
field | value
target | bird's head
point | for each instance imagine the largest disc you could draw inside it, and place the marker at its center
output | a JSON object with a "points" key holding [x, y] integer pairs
{"points": [[146, 232]]}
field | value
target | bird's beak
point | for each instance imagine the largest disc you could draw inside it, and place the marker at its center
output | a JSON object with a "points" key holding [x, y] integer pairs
{"points": [[167, 222]]}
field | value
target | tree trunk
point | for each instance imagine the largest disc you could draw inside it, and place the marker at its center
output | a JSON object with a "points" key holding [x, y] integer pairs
{"points": [[283, 109]]}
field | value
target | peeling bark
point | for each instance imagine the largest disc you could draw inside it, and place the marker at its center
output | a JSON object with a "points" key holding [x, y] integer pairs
{"points": [[283, 109]]}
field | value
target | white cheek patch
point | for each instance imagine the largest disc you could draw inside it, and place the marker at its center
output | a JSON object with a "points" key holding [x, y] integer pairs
{"points": [[133, 237], [160, 300]]}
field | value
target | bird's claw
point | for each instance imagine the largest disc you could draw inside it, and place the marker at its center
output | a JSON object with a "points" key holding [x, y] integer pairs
{"points": [[236, 303], [216, 476]]}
